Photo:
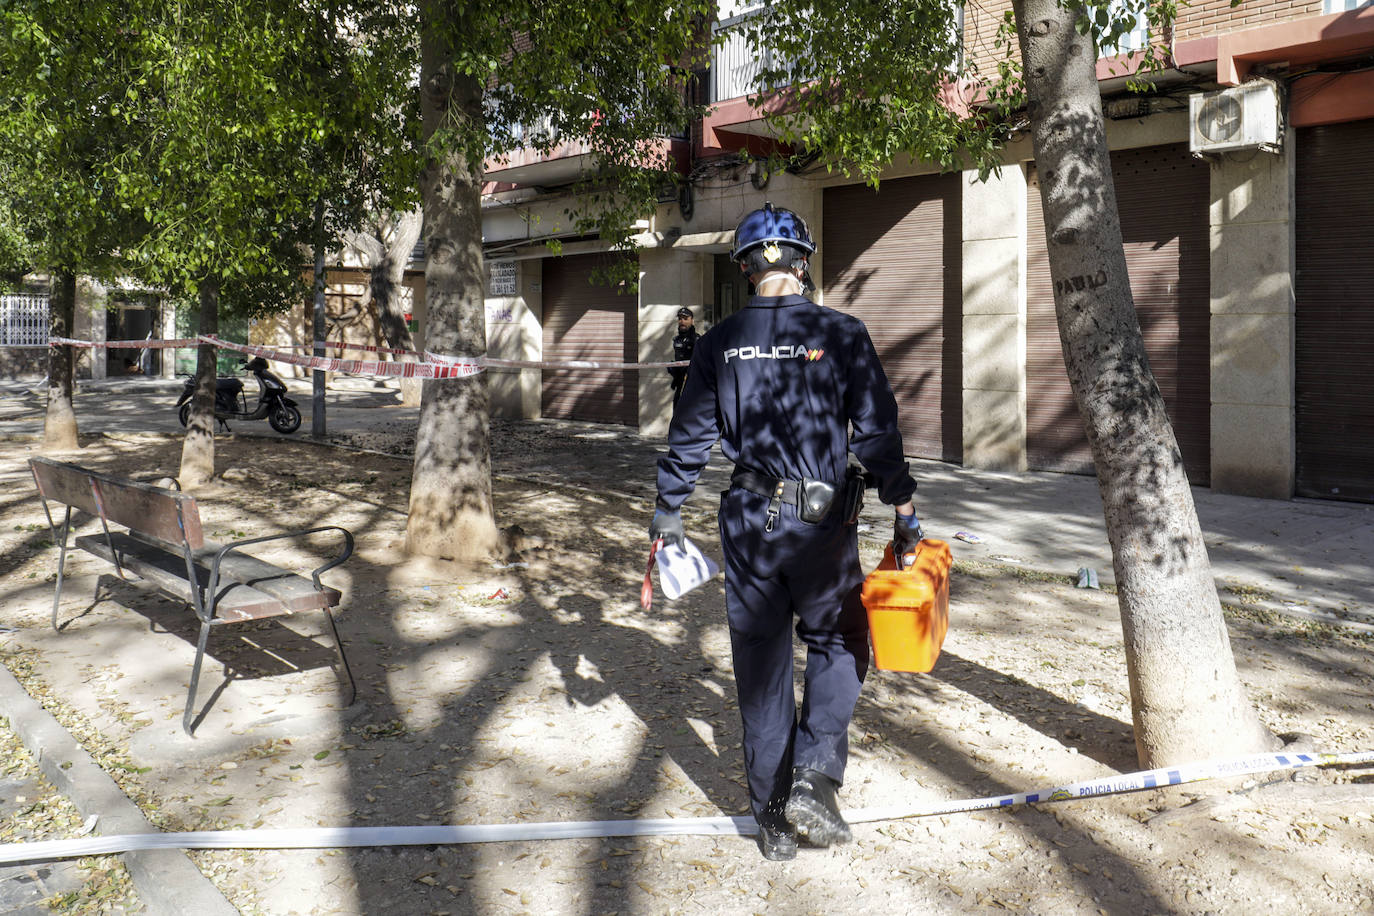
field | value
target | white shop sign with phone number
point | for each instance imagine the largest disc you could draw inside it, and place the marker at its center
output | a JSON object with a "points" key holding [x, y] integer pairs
{"points": [[503, 279]]}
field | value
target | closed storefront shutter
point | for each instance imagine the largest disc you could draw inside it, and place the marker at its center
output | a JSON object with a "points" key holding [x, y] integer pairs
{"points": [[584, 320], [1162, 194], [892, 258], [1335, 311]]}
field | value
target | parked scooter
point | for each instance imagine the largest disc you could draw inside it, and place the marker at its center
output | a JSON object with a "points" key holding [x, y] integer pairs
{"points": [[230, 403]]}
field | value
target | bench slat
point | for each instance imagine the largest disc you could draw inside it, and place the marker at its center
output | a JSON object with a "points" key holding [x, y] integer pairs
{"points": [[167, 571], [126, 502], [295, 592]]}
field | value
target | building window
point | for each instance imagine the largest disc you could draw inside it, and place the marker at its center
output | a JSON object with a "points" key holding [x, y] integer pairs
{"points": [[23, 321], [1345, 6], [956, 29], [1134, 40]]}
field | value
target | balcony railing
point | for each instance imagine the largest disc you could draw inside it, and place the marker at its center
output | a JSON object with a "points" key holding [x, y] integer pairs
{"points": [[736, 63], [1134, 40]]}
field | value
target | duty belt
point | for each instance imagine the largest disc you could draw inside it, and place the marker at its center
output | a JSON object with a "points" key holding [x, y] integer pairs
{"points": [[778, 489], [762, 484]]}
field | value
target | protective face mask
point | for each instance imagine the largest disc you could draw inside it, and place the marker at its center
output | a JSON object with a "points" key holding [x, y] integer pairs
{"points": [[681, 569]]}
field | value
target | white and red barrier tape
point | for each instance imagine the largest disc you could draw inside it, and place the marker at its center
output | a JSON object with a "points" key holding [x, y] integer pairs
{"points": [[445, 367], [123, 344], [430, 365], [496, 362]]}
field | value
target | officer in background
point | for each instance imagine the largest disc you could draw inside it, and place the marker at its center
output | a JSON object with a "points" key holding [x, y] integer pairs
{"points": [[780, 383], [683, 344]]}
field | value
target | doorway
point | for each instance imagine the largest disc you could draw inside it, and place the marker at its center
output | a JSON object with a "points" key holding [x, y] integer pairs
{"points": [[729, 290], [132, 320]]}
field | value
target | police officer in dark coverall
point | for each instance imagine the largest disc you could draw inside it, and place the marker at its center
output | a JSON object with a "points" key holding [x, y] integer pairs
{"points": [[684, 342], [781, 383]]}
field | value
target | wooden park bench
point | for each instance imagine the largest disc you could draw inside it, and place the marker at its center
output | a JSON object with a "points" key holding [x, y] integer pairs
{"points": [[164, 545]]}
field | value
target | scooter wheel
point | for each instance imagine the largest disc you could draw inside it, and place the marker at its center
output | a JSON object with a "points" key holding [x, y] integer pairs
{"points": [[184, 414], [285, 419]]}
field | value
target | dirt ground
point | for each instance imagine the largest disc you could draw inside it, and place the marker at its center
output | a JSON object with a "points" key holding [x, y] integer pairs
{"points": [[539, 690]]}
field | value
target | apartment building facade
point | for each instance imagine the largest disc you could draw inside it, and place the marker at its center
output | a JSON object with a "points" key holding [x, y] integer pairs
{"points": [[1246, 191]]}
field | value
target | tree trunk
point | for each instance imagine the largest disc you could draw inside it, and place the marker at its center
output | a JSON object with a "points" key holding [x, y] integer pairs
{"points": [[451, 511], [386, 263], [59, 423], [198, 448], [1186, 697], [387, 279], [388, 273]]}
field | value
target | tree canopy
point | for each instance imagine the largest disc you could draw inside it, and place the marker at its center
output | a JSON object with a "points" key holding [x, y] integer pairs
{"points": [[612, 76], [249, 114], [59, 133], [870, 82]]}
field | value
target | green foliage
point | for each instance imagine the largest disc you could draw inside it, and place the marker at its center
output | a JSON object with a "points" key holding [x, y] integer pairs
{"points": [[58, 132], [1107, 25], [612, 74], [181, 142], [15, 254], [248, 113], [872, 80], [612, 77]]}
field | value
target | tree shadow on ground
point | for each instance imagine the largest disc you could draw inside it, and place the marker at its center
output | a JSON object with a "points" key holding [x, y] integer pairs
{"points": [[1105, 739], [245, 651], [1131, 889], [410, 763]]}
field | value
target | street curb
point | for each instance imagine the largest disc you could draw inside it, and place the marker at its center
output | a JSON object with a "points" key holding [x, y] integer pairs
{"points": [[168, 883]]}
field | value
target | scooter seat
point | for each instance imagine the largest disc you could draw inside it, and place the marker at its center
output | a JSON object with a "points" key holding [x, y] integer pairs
{"points": [[230, 386]]}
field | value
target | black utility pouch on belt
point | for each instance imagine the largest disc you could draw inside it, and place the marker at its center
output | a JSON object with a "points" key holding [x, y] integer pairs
{"points": [[854, 485], [814, 500]]}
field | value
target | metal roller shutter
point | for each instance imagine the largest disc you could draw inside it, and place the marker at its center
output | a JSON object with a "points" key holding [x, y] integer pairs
{"points": [[1335, 311], [589, 321], [1162, 194], [892, 259]]}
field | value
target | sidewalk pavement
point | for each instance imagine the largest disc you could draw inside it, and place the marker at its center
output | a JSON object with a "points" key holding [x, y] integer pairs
{"points": [[128, 404], [1303, 557], [1306, 557]]}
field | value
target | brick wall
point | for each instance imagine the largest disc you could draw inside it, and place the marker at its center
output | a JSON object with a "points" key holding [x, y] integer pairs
{"points": [[980, 32], [1214, 17], [1197, 20]]}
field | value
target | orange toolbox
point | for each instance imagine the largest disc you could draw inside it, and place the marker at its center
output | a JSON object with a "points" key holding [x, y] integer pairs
{"points": [[908, 609]]}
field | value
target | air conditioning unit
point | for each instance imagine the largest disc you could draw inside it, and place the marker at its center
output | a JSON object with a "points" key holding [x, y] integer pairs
{"points": [[1247, 116]]}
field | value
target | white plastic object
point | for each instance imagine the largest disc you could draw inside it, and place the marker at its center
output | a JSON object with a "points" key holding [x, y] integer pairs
{"points": [[682, 568]]}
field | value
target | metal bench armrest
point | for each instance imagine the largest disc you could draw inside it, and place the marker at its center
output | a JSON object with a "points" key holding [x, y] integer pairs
{"points": [[213, 587]]}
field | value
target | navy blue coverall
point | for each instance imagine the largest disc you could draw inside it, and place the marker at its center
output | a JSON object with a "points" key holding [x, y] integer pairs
{"points": [[781, 383]]}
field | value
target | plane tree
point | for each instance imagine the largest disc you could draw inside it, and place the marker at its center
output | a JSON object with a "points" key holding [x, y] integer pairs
{"points": [[204, 148], [58, 132], [256, 143], [495, 77]]}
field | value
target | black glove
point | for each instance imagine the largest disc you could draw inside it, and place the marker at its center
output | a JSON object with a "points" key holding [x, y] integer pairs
{"points": [[668, 526], [906, 534]]}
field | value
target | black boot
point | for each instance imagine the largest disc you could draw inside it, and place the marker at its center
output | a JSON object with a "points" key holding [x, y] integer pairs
{"points": [[812, 808], [778, 843], [777, 838]]}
